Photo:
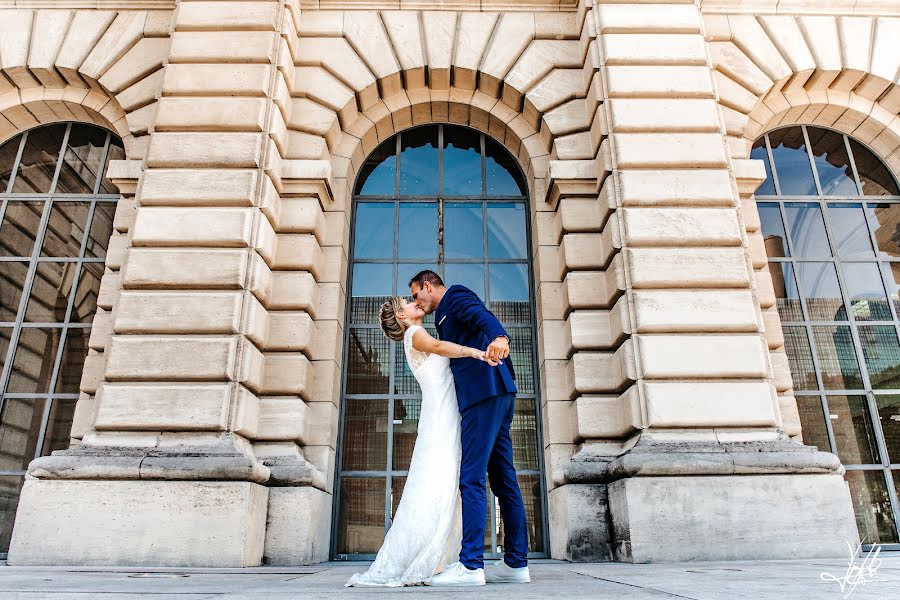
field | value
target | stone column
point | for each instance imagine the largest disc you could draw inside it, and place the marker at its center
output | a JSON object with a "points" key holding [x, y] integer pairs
{"points": [[201, 409], [684, 453]]}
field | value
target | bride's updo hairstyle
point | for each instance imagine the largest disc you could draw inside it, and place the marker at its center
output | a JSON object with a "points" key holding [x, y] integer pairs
{"points": [[391, 325]]}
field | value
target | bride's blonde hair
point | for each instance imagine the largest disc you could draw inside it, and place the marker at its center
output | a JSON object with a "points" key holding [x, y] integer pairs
{"points": [[391, 324]]}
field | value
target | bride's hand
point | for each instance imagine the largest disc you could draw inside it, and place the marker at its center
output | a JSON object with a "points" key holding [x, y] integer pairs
{"points": [[483, 356]]}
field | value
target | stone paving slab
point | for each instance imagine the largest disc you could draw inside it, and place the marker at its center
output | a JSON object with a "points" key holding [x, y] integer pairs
{"points": [[757, 580]]}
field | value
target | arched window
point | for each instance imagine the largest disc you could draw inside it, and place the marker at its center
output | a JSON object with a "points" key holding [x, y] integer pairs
{"points": [[56, 219], [830, 214], [453, 200]]}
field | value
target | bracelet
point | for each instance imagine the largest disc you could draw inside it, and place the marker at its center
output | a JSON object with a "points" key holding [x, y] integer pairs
{"points": [[461, 349]]}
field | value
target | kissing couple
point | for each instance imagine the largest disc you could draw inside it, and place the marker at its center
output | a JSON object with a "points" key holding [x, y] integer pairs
{"points": [[468, 402]]}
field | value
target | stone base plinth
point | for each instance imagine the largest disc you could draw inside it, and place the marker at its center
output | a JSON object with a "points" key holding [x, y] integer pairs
{"points": [[152, 523], [741, 517], [298, 526], [579, 528]]}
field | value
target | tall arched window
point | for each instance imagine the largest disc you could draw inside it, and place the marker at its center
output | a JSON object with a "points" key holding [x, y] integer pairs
{"points": [[56, 219], [830, 213], [453, 200]]}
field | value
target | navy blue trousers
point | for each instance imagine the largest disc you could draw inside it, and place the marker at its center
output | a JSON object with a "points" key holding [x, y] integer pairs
{"points": [[487, 448]]}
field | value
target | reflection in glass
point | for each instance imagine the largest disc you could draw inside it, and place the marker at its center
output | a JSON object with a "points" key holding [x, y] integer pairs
{"points": [[807, 229], [759, 152], [398, 482], [85, 304], [59, 426], [786, 294], [506, 231], [872, 505], [530, 486], [50, 291], [889, 416], [374, 234], [371, 288], [65, 229], [866, 291], [882, 355], [773, 230], [885, 222], [12, 281], [875, 178], [795, 177], [463, 230], [5, 337], [20, 422], [365, 435], [70, 367], [462, 162], [361, 525], [852, 427], [8, 153], [419, 162], [832, 162], [406, 424], [406, 271], [10, 486], [469, 275], [803, 372], [368, 357], [101, 230], [116, 152], [819, 286], [39, 158], [19, 229], [523, 433], [837, 357], [378, 176], [503, 176], [850, 233], [33, 363], [520, 352], [509, 292], [82, 160], [812, 422], [417, 236]]}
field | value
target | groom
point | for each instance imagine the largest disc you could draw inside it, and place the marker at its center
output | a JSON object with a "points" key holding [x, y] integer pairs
{"points": [[486, 396]]}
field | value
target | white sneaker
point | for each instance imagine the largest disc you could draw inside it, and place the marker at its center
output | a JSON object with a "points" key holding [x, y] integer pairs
{"points": [[500, 572], [457, 575]]}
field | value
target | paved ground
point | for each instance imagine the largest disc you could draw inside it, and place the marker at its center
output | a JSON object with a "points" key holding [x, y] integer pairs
{"points": [[756, 580]]}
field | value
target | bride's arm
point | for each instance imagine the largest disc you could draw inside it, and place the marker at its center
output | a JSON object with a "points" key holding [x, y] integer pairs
{"points": [[424, 342]]}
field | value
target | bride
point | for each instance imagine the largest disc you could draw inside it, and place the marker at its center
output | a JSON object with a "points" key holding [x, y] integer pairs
{"points": [[426, 529]]}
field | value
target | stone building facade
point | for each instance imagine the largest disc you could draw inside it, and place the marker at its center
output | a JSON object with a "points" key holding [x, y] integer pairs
{"points": [[197, 358]]}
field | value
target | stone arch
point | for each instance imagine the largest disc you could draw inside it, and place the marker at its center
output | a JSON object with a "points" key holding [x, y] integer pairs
{"points": [[102, 67]]}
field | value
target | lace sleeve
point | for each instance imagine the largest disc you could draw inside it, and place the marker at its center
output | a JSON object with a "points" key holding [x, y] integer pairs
{"points": [[413, 356]]}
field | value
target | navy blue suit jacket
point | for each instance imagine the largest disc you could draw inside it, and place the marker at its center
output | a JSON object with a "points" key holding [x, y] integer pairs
{"points": [[462, 318]]}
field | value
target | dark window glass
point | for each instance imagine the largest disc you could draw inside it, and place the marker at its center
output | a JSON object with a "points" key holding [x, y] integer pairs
{"points": [[866, 292], [365, 435], [10, 486], [795, 176], [463, 230], [8, 153], [875, 178], [417, 236], [889, 417], [462, 162], [872, 505], [837, 357], [503, 176], [65, 229], [368, 362], [760, 152], [39, 158], [773, 230], [852, 427], [35, 355], [786, 294], [101, 230], [20, 422], [892, 276], [50, 292], [530, 486], [374, 235], [523, 433], [812, 421], [804, 220], [419, 173], [378, 176], [70, 367], [882, 355], [851, 234], [361, 525], [62, 412], [803, 372], [116, 152], [832, 162], [12, 281], [406, 424], [19, 229]]}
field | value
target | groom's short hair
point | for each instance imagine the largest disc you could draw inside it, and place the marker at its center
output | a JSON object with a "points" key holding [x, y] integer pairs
{"points": [[427, 275]]}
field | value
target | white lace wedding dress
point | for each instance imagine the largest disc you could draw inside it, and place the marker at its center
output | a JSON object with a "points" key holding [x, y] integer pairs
{"points": [[427, 527]]}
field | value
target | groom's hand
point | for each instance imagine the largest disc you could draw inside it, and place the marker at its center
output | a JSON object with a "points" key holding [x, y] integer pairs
{"points": [[499, 348]]}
